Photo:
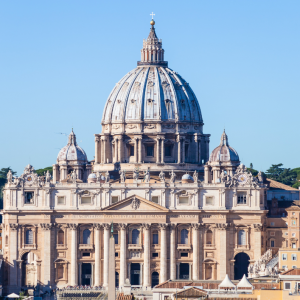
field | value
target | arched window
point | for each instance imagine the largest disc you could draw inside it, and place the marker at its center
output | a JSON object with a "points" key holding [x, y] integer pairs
{"points": [[29, 237], [242, 237], [86, 236], [184, 236], [209, 237], [135, 236], [61, 237]]}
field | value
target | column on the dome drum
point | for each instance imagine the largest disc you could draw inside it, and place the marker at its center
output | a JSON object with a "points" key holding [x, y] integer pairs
{"points": [[135, 149], [120, 148], [140, 150], [162, 150], [179, 149], [183, 149]]}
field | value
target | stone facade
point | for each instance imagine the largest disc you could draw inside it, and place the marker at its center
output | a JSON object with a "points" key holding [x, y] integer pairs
{"points": [[177, 213]]}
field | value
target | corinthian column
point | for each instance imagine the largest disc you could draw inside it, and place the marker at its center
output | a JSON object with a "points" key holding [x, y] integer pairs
{"points": [[173, 252], [163, 252], [97, 254], [223, 247], [97, 152], [146, 255], [46, 227], [257, 240], [122, 255], [135, 150], [162, 150], [73, 228], [120, 148], [196, 264], [106, 254], [140, 150]]}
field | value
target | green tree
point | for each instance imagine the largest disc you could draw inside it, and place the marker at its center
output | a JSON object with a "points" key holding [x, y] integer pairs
{"points": [[284, 175], [251, 165], [3, 178], [41, 172], [253, 171]]}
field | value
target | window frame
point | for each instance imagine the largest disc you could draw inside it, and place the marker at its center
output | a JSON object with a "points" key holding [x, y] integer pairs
{"points": [[244, 199], [284, 256]]}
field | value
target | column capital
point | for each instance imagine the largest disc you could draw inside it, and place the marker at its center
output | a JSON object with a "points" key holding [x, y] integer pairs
{"points": [[146, 226], [258, 227], [173, 226], [163, 226], [46, 226], [13, 226], [222, 226], [97, 139], [106, 226], [72, 226], [122, 226], [97, 226], [195, 226]]}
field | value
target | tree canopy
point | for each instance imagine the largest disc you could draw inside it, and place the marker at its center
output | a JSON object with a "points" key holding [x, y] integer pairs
{"points": [[284, 175], [41, 172]]}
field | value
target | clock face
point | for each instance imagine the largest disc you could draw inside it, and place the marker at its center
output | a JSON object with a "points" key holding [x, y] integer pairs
{"points": [[243, 178], [29, 178]]}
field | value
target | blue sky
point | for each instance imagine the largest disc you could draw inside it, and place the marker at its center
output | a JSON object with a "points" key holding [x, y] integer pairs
{"points": [[59, 60]]}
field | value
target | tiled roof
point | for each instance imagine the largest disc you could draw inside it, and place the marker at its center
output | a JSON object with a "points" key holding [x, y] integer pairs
{"points": [[291, 272], [191, 292], [278, 185], [121, 296]]}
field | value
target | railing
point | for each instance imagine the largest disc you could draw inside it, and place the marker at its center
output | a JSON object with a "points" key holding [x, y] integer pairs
{"points": [[135, 246], [86, 246], [184, 246]]}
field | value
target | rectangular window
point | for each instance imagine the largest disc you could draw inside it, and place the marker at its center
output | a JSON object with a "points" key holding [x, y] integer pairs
{"points": [[186, 151], [154, 199], [242, 198], [155, 238], [294, 267], [131, 150], [29, 197], [184, 254], [284, 267], [209, 201], [168, 150], [293, 234], [114, 199], [116, 254], [154, 254], [183, 200], [61, 200], [86, 254], [60, 272], [86, 200], [294, 245], [150, 150], [294, 256], [272, 223], [272, 243], [284, 256], [293, 222], [116, 237], [287, 285]]}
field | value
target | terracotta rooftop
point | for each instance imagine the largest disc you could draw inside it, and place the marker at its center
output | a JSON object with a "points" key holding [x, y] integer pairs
{"points": [[121, 296], [191, 292], [291, 272], [278, 185]]}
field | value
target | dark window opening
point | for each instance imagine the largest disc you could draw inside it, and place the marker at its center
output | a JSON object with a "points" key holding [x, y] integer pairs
{"points": [[29, 197], [86, 254], [242, 198], [168, 150], [116, 237], [116, 254], [184, 254], [155, 238], [154, 254], [186, 151], [131, 150], [150, 150]]}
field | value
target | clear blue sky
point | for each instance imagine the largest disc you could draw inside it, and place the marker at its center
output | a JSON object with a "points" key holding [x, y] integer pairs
{"points": [[59, 60]]}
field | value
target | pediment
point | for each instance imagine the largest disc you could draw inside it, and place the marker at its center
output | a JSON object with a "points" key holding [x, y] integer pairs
{"points": [[136, 203]]}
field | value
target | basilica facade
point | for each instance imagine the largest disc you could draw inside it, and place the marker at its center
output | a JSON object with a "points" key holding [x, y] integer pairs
{"points": [[177, 210]]}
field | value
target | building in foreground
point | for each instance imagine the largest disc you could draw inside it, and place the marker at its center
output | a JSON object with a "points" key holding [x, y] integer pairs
{"points": [[178, 211]]}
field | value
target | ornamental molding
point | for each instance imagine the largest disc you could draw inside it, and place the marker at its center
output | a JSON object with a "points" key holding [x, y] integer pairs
{"points": [[46, 226], [97, 226], [163, 226], [13, 226], [72, 226], [146, 226], [135, 203]]}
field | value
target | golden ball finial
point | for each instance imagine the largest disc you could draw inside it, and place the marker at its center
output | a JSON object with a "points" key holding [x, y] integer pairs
{"points": [[152, 22]]}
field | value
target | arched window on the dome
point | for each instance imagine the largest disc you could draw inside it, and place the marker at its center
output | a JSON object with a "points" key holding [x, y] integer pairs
{"points": [[86, 236]]}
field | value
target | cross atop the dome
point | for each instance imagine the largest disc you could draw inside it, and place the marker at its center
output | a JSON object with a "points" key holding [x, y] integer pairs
{"points": [[152, 15]]}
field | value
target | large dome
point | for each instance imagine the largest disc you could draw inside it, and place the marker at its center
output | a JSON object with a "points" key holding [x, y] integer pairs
{"points": [[224, 153], [152, 93], [72, 152]]}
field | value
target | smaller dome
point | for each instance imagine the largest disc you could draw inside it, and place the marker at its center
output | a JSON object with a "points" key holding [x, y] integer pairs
{"points": [[187, 177], [224, 153], [72, 152], [92, 176]]}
